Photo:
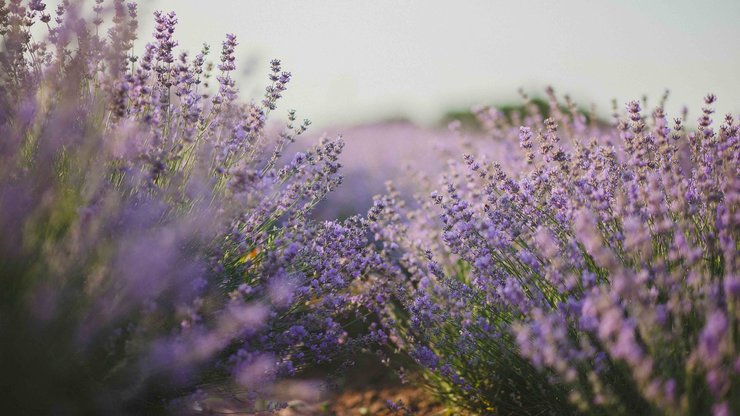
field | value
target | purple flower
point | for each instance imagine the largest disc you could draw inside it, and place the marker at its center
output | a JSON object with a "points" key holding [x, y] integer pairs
{"points": [[426, 357]]}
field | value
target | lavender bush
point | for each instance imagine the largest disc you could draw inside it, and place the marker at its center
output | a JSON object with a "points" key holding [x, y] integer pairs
{"points": [[155, 246], [600, 276], [159, 251]]}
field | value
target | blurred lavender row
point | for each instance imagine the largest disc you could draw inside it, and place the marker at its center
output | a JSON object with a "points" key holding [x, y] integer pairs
{"points": [[156, 253]]}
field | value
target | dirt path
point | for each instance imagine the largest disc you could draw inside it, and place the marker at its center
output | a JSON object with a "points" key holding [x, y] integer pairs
{"points": [[370, 401]]}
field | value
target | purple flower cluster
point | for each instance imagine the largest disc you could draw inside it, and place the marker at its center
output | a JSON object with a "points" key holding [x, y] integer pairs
{"points": [[599, 275]]}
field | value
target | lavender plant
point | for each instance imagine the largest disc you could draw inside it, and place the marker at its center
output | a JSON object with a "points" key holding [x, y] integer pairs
{"points": [[155, 246], [599, 276], [158, 250]]}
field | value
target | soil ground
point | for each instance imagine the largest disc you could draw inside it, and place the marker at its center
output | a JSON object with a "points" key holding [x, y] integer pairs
{"points": [[365, 390]]}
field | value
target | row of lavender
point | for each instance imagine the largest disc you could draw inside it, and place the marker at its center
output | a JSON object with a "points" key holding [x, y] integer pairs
{"points": [[158, 252], [599, 276], [154, 246]]}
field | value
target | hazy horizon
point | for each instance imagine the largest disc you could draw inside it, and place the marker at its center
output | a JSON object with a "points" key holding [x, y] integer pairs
{"points": [[364, 61]]}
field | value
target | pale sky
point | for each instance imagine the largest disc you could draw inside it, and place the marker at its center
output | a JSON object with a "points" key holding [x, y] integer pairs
{"points": [[357, 61]]}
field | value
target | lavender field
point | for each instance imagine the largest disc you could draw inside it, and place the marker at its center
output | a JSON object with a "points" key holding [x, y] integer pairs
{"points": [[172, 244]]}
